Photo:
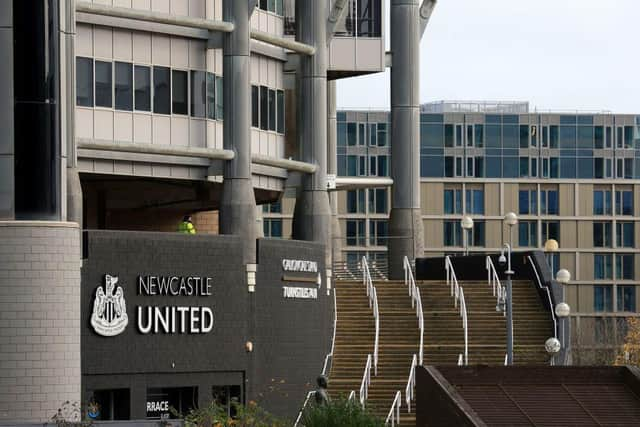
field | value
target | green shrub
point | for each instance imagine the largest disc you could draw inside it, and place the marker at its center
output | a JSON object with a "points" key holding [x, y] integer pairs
{"points": [[339, 413], [215, 415]]}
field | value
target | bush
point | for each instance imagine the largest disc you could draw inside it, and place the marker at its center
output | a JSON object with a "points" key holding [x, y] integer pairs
{"points": [[340, 413], [215, 415]]}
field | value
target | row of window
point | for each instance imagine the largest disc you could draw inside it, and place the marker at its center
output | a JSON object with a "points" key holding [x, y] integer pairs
{"points": [[378, 201], [602, 202], [526, 136], [352, 165], [131, 87], [603, 266], [363, 19], [528, 202], [354, 134], [514, 119], [274, 6], [625, 297], [513, 166], [267, 109], [602, 235], [357, 234]]}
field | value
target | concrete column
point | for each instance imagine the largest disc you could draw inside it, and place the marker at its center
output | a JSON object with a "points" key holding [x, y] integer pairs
{"points": [[405, 222], [7, 198], [332, 168], [238, 205], [312, 214]]}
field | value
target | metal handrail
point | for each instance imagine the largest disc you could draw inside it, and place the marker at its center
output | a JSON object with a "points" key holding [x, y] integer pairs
{"points": [[373, 303], [458, 294], [352, 395], [394, 412], [333, 340], [366, 380], [411, 383], [506, 360], [460, 360], [311, 393], [416, 301], [546, 288], [494, 280]]}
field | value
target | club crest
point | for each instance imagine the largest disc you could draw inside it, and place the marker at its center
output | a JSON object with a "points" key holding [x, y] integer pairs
{"points": [[109, 317]]}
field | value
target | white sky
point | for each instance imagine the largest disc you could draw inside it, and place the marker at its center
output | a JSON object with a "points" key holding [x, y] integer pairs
{"points": [[557, 54]]}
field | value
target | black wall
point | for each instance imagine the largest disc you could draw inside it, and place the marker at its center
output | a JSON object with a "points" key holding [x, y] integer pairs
{"points": [[290, 337]]}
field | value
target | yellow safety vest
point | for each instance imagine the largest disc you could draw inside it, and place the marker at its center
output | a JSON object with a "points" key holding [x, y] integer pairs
{"points": [[187, 228]]}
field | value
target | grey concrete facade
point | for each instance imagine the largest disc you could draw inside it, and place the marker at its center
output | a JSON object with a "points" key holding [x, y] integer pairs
{"points": [[6, 113], [312, 214], [238, 205], [405, 222], [39, 319]]}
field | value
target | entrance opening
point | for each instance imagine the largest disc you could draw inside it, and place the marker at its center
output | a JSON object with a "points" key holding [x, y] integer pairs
{"points": [[224, 395], [110, 405], [165, 402]]}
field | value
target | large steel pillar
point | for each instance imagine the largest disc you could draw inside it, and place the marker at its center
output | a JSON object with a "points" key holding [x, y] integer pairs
{"points": [[238, 205], [405, 223], [312, 214], [332, 168]]}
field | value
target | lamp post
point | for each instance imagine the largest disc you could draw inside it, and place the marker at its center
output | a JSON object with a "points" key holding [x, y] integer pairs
{"points": [[562, 309], [467, 225], [550, 248], [510, 219]]}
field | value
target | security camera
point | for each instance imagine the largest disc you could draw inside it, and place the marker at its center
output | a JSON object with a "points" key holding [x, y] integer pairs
{"points": [[502, 260]]}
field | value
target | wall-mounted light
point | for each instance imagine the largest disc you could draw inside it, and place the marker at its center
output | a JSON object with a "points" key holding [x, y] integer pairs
{"points": [[248, 346]]}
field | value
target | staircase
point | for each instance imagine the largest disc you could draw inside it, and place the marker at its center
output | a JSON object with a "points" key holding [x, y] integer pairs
{"points": [[349, 271]]}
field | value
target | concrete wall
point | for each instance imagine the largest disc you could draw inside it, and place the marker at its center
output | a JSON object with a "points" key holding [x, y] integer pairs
{"points": [[290, 336], [39, 313]]}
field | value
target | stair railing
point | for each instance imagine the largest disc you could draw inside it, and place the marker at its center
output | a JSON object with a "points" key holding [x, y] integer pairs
{"points": [[494, 281], [458, 294], [373, 303], [460, 360], [416, 302], [304, 405], [352, 395], [411, 383], [394, 412], [546, 288], [506, 360], [366, 380], [333, 340]]}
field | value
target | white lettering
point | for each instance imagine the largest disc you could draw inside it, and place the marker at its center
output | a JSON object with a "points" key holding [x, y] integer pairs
{"points": [[297, 265], [207, 320], [300, 293], [142, 328]]}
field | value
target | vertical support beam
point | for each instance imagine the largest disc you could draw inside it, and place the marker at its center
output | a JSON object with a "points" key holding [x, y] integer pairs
{"points": [[68, 107], [7, 197], [332, 168], [37, 110], [405, 222], [312, 214], [238, 205]]}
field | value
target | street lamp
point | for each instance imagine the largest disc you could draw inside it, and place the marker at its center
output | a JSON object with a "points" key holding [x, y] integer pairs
{"points": [[563, 276], [562, 309], [467, 225], [550, 247], [510, 219]]}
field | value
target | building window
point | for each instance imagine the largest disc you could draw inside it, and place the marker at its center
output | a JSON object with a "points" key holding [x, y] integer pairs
{"points": [[142, 76], [528, 202], [378, 201], [383, 165], [602, 267], [211, 96], [219, 97], [104, 84], [84, 82], [382, 134], [274, 6], [625, 234], [179, 92], [549, 202], [602, 202], [624, 202], [475, 202], [280, 109], [624, 266], [356, 235], [124, 86], [602, 299], [550, 230], [255, 106], [272, 109], [161, 90], [626, 298], [477, 234], [528, 233], [275, 207], [379, 230], [452, 233], [602, 234], [198, 93], [453, 202], [272, 227], [369, 18], [356, 201], [114, 404]]}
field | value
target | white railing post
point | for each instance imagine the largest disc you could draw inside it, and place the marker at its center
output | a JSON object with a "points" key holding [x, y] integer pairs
{"points": [[411, 383], [394, 413], [373, 304], [458, 294], [416, 302]]}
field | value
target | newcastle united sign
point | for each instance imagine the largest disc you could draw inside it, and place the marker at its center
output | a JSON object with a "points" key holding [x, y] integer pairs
{"points": [[109, 316]]}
